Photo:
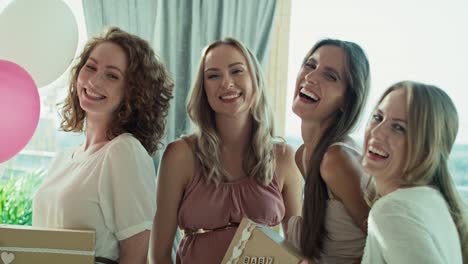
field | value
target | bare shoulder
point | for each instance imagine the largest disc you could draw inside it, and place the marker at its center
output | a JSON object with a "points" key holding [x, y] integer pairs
{"points": [[178, 160], [178, 150], [285, 163], [284, 153], [338, 163]]}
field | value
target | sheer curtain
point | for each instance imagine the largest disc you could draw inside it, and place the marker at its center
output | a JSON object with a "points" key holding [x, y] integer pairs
{"points": [[184, 28], [136, 17]]}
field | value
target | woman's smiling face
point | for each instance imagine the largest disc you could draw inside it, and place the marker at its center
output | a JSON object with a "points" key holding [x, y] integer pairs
{"points": [[386, 141]]}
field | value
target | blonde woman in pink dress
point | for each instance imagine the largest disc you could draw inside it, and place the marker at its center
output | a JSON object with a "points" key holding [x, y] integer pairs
{"points": [[231, 167]]}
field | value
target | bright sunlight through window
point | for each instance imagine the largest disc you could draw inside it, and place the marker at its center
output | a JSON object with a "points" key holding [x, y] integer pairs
{"points": [[417, 40]]}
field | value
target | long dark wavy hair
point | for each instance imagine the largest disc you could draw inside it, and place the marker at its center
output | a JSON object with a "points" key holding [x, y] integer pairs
{"points": [[148, 89], [357, 76]]}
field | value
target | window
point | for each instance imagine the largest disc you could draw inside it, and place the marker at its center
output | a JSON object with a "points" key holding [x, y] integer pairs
{"points": [[404, 40], [47, 139]]}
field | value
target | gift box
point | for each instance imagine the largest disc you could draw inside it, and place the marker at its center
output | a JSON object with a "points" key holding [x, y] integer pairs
{"points": [[258, 244], [31, 245]]}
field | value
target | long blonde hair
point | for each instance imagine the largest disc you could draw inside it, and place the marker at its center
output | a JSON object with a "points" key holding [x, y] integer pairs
{"points": [[260, 161], [432, 129]]}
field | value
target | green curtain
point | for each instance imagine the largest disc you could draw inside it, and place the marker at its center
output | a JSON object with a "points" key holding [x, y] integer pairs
{"points": [[184, 27], [136, 17]]}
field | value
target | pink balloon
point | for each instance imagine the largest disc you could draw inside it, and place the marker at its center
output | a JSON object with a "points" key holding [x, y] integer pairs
{"points": [[19, 109]]}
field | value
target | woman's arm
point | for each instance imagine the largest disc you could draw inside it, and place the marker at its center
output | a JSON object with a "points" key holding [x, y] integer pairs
{"points": [[291, 182], [134, 249], [126, 191], [342, 172], [175, 171]]}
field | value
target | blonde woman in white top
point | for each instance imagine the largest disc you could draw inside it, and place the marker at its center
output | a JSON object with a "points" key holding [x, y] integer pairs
{"points": [[119, 97], [419, 216]]}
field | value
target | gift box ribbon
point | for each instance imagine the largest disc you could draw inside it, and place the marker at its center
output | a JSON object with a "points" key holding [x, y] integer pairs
{"points": [[48, 250]]}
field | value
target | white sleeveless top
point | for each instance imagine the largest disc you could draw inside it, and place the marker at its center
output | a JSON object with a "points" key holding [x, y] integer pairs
{"points": [[345, 242]]}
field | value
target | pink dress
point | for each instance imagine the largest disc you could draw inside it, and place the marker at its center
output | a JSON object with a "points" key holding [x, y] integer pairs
{"points": [[206, 206]]}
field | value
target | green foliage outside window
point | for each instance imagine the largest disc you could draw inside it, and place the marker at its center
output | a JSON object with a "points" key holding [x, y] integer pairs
{"points": [[16, 193]]}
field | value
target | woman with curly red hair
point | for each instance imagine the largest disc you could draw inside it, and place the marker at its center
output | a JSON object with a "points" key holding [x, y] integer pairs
{"points": [[119, 97]]}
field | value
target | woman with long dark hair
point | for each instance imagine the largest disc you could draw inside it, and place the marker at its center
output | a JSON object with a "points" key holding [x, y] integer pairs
{"points": [[331, 91]]}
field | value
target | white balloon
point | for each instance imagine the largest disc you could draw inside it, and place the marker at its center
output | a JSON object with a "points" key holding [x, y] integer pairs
{"points": [[41, 36]]}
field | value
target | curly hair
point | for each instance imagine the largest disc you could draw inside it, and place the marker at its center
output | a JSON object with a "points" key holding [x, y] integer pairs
{"points": [[357, 71], [148, 89], [260, 161]]}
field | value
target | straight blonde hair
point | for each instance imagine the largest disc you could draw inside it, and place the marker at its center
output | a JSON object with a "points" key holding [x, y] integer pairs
{"points": [[432, 129]]}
